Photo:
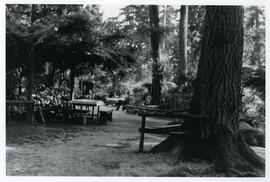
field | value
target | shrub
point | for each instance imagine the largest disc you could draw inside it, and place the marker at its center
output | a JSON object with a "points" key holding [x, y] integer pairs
{"points": [[140, 96], [176, 98]]}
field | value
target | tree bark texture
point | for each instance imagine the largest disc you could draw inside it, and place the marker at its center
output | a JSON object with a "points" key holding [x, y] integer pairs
{"points": [[218, 84], [183, 23], [155, 41], [217, 93]]}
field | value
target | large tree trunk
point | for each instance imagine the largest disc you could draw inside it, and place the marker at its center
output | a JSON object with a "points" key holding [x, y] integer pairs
{"points": [[155, 41], [217, 93], [183, 23], [218, 84]]}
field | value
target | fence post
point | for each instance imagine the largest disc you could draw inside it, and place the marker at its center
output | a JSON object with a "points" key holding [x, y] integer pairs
{"points": [[30, 114], [142, 134]]}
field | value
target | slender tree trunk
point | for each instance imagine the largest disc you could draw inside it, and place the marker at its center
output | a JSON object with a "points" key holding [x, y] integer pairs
{"points": [[155, 41], [31, 70], [51, 74], [31, 59], [30, 115], [217, 93], [20, 83], [183, 23], [30, 84], [164, 25], [71, 83], [257, 47]]}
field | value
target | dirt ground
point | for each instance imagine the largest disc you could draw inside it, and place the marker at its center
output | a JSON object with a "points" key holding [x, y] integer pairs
{"points": [[86, 150]]}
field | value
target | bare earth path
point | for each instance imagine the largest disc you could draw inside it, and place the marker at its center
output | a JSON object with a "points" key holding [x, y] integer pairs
{"points": [[76, 150], [90, 150]]}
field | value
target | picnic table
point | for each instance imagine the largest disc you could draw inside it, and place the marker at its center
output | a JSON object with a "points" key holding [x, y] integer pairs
{"points": [[88, 105], [117, 101], [114, 100]]}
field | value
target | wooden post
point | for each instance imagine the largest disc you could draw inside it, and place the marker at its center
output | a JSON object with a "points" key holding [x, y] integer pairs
{"points": [[97, 112], [41, 114], [31, 112], [93, 109], [142, 134]]}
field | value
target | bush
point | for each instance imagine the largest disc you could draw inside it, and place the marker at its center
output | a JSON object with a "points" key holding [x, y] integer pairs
{"points": [[50, 96], [253, 105], [140, 96], [176, 98], [100, 96]]}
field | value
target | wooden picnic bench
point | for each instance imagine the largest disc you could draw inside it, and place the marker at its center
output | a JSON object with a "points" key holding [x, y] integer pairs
{"points": [[104, 116], [176, 129], [72, 114], [59, 113], [90, 105], [78, 110]]}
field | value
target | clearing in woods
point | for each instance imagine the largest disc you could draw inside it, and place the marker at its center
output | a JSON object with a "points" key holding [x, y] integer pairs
{"points": [[88, 150]]}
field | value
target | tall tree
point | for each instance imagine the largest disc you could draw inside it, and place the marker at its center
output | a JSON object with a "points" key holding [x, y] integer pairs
{"points": [[217, 93], [254, 37], [254, 24], [196, 16], [70, 37], [137, 30], [155, 41], [164, 26], [33, 18], [28, 26], [183, 24]]}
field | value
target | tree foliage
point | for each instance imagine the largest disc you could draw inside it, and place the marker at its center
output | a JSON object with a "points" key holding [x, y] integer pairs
{"points": [[65, 36]]}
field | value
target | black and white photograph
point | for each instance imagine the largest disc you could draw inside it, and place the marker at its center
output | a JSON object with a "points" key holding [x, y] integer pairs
{"points": [[135, 90]]}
